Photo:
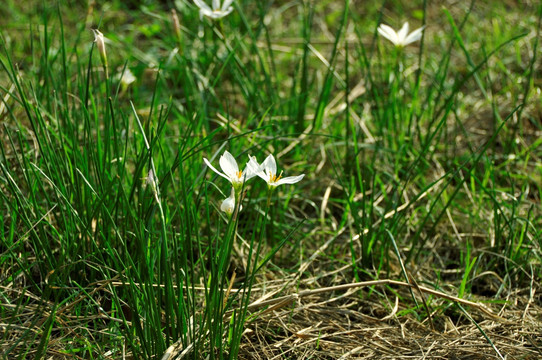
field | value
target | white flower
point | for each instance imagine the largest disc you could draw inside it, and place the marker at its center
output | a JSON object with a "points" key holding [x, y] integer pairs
{"points": [[402, 37], [228, 205], [126, 78], [218, 11], [231, 170], [268, 171]]}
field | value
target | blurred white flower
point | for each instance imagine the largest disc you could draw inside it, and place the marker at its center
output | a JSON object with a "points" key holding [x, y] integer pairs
{"points": [[126, 78], [402, 37], [218, 11], [268, 171], [231, 170], [228, 205]]}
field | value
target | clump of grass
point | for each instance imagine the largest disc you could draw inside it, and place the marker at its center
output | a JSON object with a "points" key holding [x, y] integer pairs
{"points": [[421, 166]]}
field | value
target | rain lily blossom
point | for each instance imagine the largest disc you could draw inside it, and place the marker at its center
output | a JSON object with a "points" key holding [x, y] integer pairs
{"points": [[268, 171], [126, 78], [218, 11], [402, 37], [228, 205], [231, 172]]}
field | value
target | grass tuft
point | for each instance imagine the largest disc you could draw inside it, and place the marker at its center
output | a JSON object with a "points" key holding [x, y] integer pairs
{"points": [[415, 228]]}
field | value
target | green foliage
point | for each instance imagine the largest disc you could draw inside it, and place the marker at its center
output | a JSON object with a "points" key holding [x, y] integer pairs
{"points": [[424, 157]]}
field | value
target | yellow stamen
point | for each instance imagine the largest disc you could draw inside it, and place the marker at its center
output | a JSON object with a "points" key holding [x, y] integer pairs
{"points": [[239, 173], [273, 177]]}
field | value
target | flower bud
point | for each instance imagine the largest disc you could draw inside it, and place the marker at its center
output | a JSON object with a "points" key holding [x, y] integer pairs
{"points": [[99, 39], [228, 205]]}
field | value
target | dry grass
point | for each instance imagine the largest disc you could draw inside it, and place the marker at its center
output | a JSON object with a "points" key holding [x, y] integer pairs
{"points": [[351, 325], [316, 311], [347, 324]]}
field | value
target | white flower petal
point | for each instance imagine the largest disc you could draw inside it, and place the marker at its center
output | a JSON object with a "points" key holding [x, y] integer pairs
{"points": [[229, 165], [388, 33], [208, 13], [253, 165], [270, 166], [226, 5], [226, 12], [254, 168], [402, 34], [204, 8], [414, 36], [290, 180], [216, 15], [215, 170], [217, 11]]}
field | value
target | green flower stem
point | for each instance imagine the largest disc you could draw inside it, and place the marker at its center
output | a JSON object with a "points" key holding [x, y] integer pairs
{"points": [[252, 267], [269, 212]]}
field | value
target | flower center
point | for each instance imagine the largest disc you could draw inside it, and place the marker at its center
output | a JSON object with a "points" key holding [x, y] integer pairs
{"points": [[239, 173], [274, 178]]}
